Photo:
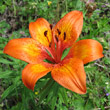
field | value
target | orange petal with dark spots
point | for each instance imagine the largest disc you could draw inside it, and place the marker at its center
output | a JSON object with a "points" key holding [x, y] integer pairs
{"points": [[71, 75], [40, 30], [87, 50], [69, 27], [25, 49], [32, 72]]}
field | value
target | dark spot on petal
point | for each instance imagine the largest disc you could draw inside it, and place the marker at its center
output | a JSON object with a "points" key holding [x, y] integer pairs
{"points": [[64, 35], [50, 44], [51, 26], [56, 38], [59, 32], [45, 33]]}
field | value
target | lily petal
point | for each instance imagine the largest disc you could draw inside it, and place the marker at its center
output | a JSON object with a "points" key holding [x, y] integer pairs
{"points": [[32, 72], [25, 49], [70, 74], [69, 27], [87, 50], [40, 30]]}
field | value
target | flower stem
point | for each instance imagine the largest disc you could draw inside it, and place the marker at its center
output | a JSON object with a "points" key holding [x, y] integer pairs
{"points": [[14, 8], [58, 10], [66, 5]]}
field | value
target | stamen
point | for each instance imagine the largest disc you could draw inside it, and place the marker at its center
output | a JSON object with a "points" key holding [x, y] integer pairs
{"points": [[59, 32], [51, 26], [45, 33], [50, 44], [64, 35], [56, 38]]}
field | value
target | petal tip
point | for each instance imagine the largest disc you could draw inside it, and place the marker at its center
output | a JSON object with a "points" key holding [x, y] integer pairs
{"points": [[78, 12], [6, 48], [84, 91]]}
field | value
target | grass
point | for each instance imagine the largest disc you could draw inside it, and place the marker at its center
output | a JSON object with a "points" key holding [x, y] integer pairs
{"points": [[14, 20]]}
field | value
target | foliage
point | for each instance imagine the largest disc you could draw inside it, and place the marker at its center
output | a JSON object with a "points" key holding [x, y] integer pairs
{"points": [[16, 15]]}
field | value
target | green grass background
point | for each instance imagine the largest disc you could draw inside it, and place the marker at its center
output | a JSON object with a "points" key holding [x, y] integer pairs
{"points": [[15, 16]]}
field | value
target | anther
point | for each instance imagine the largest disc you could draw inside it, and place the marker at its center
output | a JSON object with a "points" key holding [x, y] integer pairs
{"points": [[50, 44], [51, 26], [45, 33], [56, 38], [59, 32], [64, 35]]}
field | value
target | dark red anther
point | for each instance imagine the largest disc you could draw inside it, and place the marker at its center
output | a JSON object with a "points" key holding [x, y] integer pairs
{"points": [[56, 38], [45, 33], [51, 26], [59, 32], [64, 35], [50, 44]]}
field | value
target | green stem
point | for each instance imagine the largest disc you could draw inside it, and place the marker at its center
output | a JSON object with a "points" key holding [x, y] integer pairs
{"points": [[14, 8], [66, 5], [89, 78], [58, 10]]}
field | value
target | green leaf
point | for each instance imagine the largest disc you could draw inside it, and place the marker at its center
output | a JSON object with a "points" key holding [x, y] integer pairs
{"points": [[17, 107], [45, 91], [55, 95], [5, 74], [8, 91], [87, 69], [107, 60], [5, 61], [64, 95], [2, 8]]}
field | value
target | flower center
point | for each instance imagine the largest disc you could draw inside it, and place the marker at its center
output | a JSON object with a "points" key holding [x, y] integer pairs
{"points": [[55, 49]]}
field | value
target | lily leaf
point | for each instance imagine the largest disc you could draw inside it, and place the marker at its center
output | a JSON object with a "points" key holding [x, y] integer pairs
{"points": [[45, 90], [64, 95]]}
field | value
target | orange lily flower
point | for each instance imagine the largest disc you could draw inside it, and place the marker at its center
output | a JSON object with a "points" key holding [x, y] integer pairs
{"points": [[68, 72]]}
